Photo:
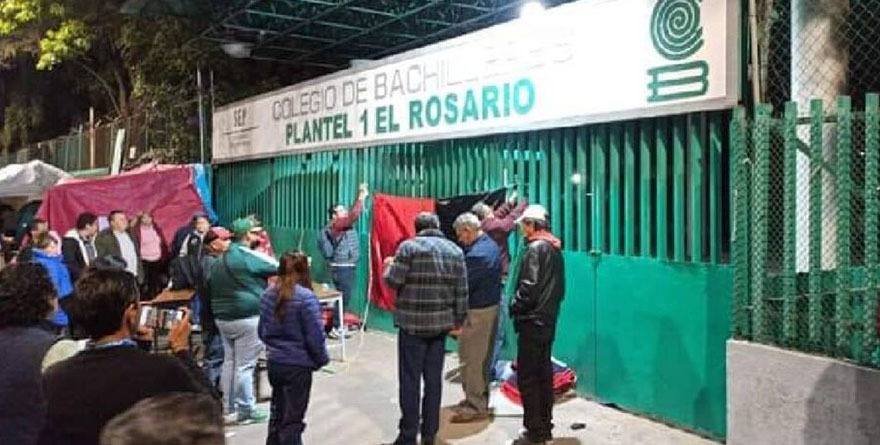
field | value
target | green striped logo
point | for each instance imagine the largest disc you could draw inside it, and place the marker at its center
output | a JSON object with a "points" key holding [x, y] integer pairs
{"points": [[675, 28]]}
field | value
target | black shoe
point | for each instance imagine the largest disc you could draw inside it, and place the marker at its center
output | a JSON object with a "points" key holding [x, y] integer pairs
{"points": [[399, 441], [427, 441], [524, 440]]}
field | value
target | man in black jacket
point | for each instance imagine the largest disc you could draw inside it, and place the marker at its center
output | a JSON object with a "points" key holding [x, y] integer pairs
{"points": [[78, 245], [540, 286], [87, 390]]}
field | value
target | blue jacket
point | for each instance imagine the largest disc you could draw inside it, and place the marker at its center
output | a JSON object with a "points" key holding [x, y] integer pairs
{"points": [[298, 338], [60, 276], [483, 259]]}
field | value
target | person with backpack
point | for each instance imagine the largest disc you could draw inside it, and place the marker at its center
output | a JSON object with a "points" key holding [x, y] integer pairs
{"points": [[340, 246]]}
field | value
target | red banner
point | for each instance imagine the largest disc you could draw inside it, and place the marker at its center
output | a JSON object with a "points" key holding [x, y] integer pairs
{"points": [[393, 222]]}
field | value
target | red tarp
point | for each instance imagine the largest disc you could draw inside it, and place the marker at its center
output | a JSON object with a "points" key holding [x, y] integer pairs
{"points": [[169, 194], [393, 222]]}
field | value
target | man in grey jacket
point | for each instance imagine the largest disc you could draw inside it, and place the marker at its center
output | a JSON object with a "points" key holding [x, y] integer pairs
{"points": [[116, 241]]}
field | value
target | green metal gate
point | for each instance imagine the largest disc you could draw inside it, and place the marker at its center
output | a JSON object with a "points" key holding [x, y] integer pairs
{"points": [[641, 208]]}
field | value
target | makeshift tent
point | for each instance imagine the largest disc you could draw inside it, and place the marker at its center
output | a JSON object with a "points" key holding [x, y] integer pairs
{"points": [[169, 192], [29, 181]]}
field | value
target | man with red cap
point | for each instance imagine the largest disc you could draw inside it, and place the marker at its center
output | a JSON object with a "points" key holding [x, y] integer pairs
{"points": [[216, 243]]}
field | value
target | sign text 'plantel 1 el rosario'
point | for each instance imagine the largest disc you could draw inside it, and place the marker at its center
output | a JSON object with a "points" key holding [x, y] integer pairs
{"points": [[582, 62]]}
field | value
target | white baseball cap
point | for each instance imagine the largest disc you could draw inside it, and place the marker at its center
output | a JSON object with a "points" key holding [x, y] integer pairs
{"points": [[534, 211]]}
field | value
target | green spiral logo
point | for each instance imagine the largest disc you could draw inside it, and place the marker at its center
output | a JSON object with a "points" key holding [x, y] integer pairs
{"points": [[675, 28]]}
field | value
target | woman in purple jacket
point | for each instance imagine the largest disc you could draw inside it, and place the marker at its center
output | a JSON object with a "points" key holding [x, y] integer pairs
{"points": [[293, 331]]}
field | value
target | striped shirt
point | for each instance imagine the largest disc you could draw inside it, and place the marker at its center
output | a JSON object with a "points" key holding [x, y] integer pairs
{"points": [[430, 276]]}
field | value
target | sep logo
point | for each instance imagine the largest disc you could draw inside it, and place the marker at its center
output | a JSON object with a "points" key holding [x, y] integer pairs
{"points": [[677, 35], [239, 117]]}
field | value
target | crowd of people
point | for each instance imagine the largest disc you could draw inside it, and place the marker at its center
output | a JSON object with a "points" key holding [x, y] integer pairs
{"points": [[446, 288], [92, 284]]}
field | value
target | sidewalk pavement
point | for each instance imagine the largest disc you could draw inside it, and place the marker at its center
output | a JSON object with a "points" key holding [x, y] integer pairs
{"points": [[355, 403]]}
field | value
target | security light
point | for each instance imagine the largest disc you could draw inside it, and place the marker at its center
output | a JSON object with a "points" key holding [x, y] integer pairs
{"points": [[531, 9], [238, 50]]}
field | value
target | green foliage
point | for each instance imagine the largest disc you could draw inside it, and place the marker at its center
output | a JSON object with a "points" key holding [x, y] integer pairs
{"points": [[16, 13], [69, 39], [68, 55], [20, 118], [62, 36]]}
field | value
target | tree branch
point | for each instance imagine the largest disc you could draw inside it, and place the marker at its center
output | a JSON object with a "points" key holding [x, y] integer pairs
{"points": [[103, 83]]}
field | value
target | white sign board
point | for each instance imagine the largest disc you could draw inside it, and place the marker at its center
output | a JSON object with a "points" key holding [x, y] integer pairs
{"points": [[582, 62]]}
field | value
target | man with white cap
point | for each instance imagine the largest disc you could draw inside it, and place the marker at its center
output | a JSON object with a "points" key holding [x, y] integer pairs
{"points": [[540, 286]]}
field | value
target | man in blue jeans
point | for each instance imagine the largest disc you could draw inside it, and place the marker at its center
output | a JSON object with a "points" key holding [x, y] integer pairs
{"points": [[340, 246], [216, 243], [430, 276], [235, 283]]}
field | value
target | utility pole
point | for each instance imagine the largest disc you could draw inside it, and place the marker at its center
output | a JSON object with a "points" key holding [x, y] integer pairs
{"points": [[201, 116], [819, 61], [92, 137]]}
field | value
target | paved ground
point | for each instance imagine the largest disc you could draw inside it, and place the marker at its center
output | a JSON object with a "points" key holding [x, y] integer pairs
{"points": [[356, 403]]}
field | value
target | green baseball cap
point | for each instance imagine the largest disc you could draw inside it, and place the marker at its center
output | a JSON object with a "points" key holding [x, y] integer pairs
{"points": [[242, 225]]}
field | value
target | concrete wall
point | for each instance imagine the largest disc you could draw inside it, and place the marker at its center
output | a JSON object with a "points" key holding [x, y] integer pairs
{"points": [[780, 397]]}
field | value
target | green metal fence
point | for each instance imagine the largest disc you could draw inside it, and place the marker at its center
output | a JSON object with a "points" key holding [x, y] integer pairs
{"points": [[653, 188], [806, 214]]}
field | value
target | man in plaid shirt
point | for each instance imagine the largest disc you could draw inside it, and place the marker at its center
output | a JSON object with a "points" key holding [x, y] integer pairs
{"points": [[430, 276]]}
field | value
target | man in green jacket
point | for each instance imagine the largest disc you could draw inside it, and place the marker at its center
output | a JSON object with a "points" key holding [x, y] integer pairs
{"points": [[235, 283]]}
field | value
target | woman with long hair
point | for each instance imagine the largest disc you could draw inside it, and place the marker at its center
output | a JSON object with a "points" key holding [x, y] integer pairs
{"points": [[293, 331], [153, 253]]}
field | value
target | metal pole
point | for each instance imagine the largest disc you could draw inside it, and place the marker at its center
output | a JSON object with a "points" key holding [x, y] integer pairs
{"points": [[754, 47], [212, 93], [201, 116], [92, 137], [819, 60]]}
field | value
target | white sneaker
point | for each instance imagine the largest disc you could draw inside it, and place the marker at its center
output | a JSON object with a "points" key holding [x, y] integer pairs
{"points": [[337, 334]]}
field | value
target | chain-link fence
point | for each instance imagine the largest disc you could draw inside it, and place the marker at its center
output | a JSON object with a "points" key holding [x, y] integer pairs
{"points": [[806, 189], [818, 49], [807, 244]]}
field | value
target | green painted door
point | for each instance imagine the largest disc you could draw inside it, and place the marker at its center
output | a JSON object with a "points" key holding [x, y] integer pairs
{"points": [[576, 342]]}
